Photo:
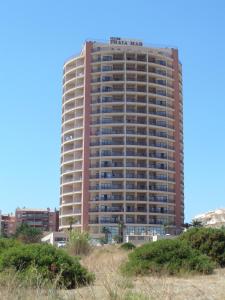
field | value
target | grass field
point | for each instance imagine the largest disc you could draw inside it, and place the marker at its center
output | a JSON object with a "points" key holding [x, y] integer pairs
{"points": [[109, 284]]}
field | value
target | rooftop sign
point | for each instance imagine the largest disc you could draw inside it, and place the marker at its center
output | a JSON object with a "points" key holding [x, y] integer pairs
{"points": [[120, 41]]}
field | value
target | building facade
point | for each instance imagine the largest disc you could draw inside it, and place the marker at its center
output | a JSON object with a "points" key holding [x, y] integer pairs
{"points": [[8, 225], [122, 139], [43, 219]]}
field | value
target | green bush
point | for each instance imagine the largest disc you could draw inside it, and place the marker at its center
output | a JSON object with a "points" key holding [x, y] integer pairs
{"points": [[47, 261], [6, 243], [127, 246], [78, 242], [209, 241], [171, 257], [27, 234]]}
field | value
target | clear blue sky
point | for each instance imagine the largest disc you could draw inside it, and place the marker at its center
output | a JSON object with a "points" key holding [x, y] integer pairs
{"points": [[36, 38]]}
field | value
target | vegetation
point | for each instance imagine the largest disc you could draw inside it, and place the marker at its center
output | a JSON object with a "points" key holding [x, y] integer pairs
{"points": [[71, 220], [45, 261], [128, 246], [105, 262], [78, 242], [210, 241], [196, 223], [172, 257], [121, 228], [6, 243], [28, 234], [106, 232]]}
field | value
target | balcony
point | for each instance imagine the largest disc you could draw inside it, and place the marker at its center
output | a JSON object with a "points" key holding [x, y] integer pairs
{"points": [[107, 175], [110, 132], [111, 99], [113, 153], [137, 210], [138, 198], [108, 198], [113, 164], [118, 68], [105, 143], [129, 142], [161, 145], [132, 153], [158, 123], [157, 222], [107, 187], [161, 211], [162, 199], [108, 110], [136, 111], [133, 121], [159, 155], [161, 189], [133, 175], [106, 209], [135, 187]]}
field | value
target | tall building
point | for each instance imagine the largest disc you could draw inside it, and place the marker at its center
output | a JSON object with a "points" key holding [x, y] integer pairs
{"points": [[122, 139]]}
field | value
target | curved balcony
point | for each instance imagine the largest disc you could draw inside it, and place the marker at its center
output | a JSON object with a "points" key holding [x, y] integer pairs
{"points": [[70, 193], [107, 187]]}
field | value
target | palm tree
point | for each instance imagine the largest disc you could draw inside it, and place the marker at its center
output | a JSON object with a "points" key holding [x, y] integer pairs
{"points": [[196, 223], [121, 227], [71, 220], [106, 231]]}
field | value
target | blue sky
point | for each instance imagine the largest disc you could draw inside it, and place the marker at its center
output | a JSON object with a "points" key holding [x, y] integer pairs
{"points": [[38, 36]]}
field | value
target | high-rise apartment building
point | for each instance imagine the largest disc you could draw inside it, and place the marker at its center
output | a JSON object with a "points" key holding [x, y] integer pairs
{"points": [[122, 139]]}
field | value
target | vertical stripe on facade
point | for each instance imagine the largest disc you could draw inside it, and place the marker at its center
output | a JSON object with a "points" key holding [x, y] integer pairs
{"points": [[177, 123], [86, 135]]}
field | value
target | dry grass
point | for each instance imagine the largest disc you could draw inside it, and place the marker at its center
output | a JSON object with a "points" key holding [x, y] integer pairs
{"points": [[13, 289], [110, 285]]}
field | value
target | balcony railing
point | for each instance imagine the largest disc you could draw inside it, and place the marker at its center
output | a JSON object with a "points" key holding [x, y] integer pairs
{"points": [[108, 132], [161, 211], [107, 154], [109, 198], [109, 187], [163, 199], [108, 111], [108, 209], [105, 144]]}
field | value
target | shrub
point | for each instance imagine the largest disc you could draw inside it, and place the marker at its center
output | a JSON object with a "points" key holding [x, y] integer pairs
{"points": [[209, 241], [78, 242], [28, 234], [6, 243], [47, 261], [167, 257], [128, 246]]}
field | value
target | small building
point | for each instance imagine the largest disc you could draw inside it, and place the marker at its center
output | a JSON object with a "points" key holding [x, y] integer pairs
{"points": [[54, 238], [138, 239]]}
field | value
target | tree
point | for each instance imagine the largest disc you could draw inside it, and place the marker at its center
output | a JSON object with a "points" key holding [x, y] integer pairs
{"points": [[28, 234], [107, 232], [121, 227], [71, 220], [196, 223], [186, 225]]}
